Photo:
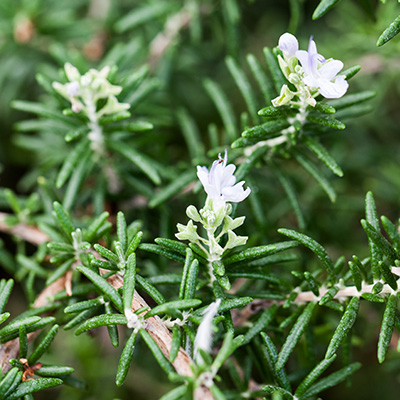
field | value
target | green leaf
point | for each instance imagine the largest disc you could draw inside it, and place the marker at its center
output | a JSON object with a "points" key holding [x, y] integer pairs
{"points": [[173, 305], [125, 359], [31, 265], [174, 245], [10, 379], [153, 248], [227, 348], [294, 335], [191, 281], [122, 234], [345, 324], [323, 7], [314, 246], [23, 342], [356, 274], [91, 232], [262, 80], [43, 345], [32, 386], [387, 275], [134, 243], [290, 193], [70, 162], [142, 162], [158, 355], [84, 305], [224, 107], [271, 389], [112, 329], [103, 286], [54, 371], [106, 253], [351, 71], [318, 370], [261, 323], [373, 297], [391, 231], [326, 121], [101, 320], [316, 174], [128, 289], [5, 294], [176, 394], [332, 380], [230, 304], [322, 108], [150, 289], [387, 326], [271, 356], [276, 74], [320, 151], [13, 327], [244, 87], [63, 219], [352, 99], [185, 273], [390, 32], [266, 130], [257, 252], [176, 342], [173, 188]]}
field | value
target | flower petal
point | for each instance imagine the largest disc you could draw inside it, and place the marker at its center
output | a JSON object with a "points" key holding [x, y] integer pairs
{"points": [[330, 69], [333, 90], [288, 44]]}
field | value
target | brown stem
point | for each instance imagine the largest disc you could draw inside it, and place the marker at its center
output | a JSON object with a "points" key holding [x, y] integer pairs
{"points": [[154, 325]]}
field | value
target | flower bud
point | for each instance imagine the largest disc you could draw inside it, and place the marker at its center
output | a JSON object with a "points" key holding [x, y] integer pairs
{"points": [[193, 214]]}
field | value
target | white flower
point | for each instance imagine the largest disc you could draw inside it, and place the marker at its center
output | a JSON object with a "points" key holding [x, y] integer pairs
{"points": [[288, 44], [219, 182], [322, 74], [204, 333]]}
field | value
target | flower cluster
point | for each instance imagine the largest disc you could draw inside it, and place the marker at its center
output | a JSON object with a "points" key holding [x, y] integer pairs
{"points": [[314, 76], [220, 185], [84, 92]]}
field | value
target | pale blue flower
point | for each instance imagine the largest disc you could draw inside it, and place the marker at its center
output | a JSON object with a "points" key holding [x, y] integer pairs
{"points": [[322, 74]]}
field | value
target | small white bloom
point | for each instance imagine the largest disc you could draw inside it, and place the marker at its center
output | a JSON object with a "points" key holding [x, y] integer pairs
{"points": [[220, 183], [132, 318], [288, 44], [205, 331], [322, 74], [72, 88]]}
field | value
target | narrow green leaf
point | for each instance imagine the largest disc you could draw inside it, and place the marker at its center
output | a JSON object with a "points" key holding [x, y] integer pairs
{"points": [[316, 147], [106, 253], [90, 233], [323, 7], [387, 275], [322, 108], [63, 219], [112, 329], [32, 386], [173, 305], [352, 99], [258, 252], [150, 289], [271, 389], [82, 316], [318, 370], [125, 359], [176, 342], [8, 380], [271, 356], [345, 324], [101, 320], [134, 243], [121, 230], [13, 327], [316, 174], [290, 193], [158, 355], [129, 282], [141, 161], [391, 231], [224, 107], [153, 248], [43, 345], [191, 281], [84, 305], [23, 342], [390, 32], [173, 188], [387, 326], [351, 71], [5, 294], [266, 130], [314, 246], [103, 286], [174, 245], [176, 394], [54, 371], [276, 74], [230, 304], [356, 274], [326, 121], [185, 273], [70, 162], [60, 271], [332, 380], [294, 335], [244, 87], [31, 265], [373, 297], [261, 323], [262, 80]]}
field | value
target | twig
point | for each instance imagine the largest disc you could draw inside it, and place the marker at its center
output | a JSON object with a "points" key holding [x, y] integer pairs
{"points": [[154, 325]]}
